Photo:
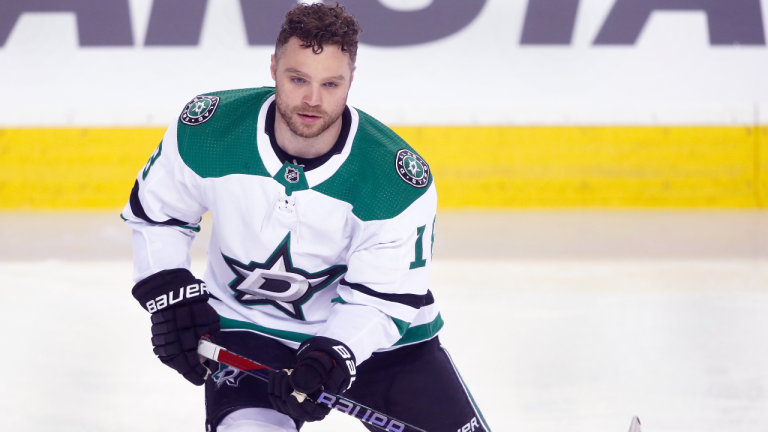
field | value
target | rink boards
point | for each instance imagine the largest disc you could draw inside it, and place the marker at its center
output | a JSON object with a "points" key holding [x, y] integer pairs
{"points": [[475, 167]]}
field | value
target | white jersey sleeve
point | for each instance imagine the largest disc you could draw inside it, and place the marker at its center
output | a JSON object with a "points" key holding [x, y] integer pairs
{"points": [[164, 210], [386, 284]]}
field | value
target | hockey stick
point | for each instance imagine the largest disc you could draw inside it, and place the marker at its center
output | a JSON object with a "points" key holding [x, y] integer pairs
{"points": [[219, 354]]}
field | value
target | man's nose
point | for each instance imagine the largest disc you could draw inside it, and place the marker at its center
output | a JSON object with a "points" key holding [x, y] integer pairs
{"points": [[313, 97]]}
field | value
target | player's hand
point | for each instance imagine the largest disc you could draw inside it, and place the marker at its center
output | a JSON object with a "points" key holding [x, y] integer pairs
{"points": [[322, 364], [181, 315], [286, 401]]}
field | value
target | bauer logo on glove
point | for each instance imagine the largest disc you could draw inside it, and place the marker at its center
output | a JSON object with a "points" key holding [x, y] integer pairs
{"points": [[166, 300], [345, 354], [181, 315]]}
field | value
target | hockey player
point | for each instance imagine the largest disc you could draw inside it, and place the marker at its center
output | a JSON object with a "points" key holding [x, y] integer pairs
{"points": [[320, 255]]}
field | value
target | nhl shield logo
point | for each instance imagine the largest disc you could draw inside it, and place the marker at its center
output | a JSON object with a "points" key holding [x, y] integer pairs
{"points": [[292, 175], [412, 168], [199, 110]]}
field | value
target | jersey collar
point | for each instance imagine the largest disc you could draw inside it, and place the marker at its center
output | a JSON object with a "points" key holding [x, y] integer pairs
{"points": [[317, 175]]}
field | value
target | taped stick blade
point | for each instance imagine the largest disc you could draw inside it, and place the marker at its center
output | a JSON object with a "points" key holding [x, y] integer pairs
{"points": [[635, 425]]}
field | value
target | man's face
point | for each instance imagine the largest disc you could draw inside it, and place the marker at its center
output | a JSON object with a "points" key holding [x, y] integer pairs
{"points": [[311, 89]]}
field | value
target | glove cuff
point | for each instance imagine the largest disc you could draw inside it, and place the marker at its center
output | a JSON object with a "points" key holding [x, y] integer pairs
{"points": [[342, 356], [169, 288]]}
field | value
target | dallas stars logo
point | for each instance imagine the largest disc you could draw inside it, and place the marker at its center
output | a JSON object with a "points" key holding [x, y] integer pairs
{"points": [[199, 110], [277, 282], [412, 168], [227, 375]]}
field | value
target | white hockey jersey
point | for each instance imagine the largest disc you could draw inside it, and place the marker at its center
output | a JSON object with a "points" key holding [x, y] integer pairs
{"points": [[342, 250]]}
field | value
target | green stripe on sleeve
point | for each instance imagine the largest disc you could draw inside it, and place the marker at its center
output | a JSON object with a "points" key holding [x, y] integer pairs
{"points": [[228, 323], [421, 332], [409, 334], [402, 326]]}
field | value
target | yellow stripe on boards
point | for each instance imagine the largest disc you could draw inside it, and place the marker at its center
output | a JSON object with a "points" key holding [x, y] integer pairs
{"points": [[72, 168], [474, 167], [526, 167]]}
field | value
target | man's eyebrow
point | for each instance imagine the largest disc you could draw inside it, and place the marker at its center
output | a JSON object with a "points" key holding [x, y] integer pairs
{"points": [[302, 74], [296, 71]]}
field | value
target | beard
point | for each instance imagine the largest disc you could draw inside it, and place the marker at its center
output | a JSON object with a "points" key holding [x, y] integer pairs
{"points": [[304, 130]]}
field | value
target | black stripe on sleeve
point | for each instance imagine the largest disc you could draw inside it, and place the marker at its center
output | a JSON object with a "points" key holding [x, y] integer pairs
{"points": [[413, 300], [428, 299], [138, 209]]}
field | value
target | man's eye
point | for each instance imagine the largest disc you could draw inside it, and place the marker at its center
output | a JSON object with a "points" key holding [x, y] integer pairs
{"points": [[331, 85], [298, 80]]}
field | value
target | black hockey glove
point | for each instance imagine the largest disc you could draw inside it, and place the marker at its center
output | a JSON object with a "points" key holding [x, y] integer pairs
{"points": [[181, 315], [322, 364]]}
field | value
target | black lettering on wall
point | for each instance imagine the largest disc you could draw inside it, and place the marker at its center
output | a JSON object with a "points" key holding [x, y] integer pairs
{"points": [[263, 19], [180, 22], [99, 22], [175, 22], [383, 26], [549, 22], [730, 21]]}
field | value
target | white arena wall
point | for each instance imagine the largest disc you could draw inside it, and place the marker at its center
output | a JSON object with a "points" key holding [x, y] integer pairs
{"points": [[618, 103], [484, 73]]}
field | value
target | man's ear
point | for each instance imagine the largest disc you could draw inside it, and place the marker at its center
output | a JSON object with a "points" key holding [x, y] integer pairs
{"points": [[352, 75], [273, 68]]}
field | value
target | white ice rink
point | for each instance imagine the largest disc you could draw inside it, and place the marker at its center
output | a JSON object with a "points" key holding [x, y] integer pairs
{"points": [[558, 321]]}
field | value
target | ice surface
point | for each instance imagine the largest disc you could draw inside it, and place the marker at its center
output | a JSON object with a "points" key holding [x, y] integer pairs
{"points": [[558, 321], [543, 345]]}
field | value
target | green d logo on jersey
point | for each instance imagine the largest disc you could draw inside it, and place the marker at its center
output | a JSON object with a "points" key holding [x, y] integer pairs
{"points": [[277, 282], [199, 110], [412, 168]]}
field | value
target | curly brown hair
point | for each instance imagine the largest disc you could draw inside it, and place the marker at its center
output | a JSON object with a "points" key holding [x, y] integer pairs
{"points": [[319, 24]]}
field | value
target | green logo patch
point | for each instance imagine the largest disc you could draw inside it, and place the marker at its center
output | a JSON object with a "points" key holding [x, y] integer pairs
{"points": [[412, 168], [199, 110]]}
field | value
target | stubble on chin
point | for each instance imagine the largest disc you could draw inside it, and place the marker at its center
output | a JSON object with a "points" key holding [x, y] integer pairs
{"points": [[303, 130]]}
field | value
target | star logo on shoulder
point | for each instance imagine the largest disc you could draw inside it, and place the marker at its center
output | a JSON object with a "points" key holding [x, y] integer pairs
{"points": [[412, 168], [277, 282], [199, 110]]}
